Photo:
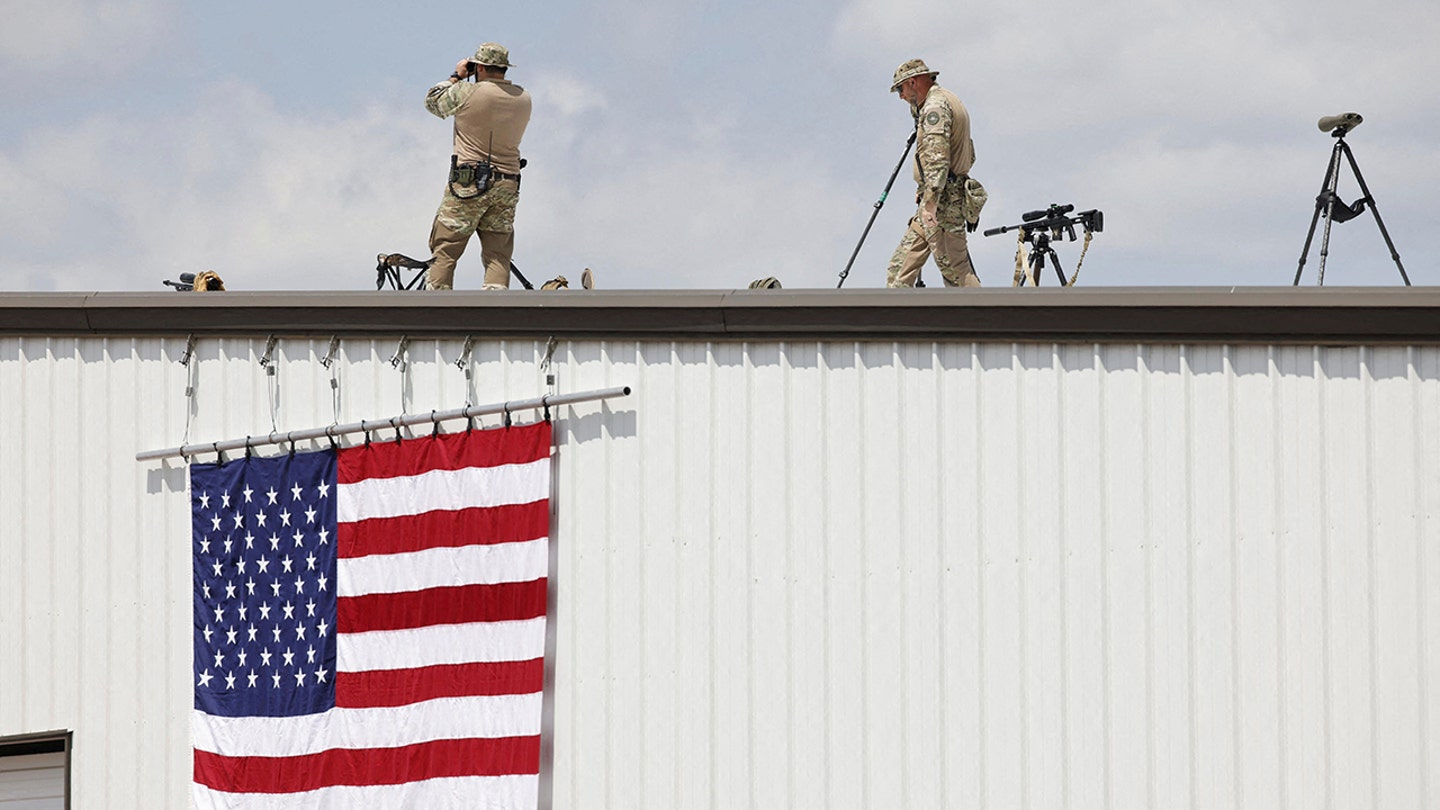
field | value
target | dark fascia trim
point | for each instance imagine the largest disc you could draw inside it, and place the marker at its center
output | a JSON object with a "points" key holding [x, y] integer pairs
{"points": [[1096, 314], [46, 742]]}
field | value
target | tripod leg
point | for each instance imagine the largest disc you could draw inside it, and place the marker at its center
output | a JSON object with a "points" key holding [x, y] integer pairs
{"points": [[1055, 260], [1037, 267], [1364, 189], [1319, 206]]}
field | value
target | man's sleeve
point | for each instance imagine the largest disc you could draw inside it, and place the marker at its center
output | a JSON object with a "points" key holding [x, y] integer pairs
{"points": [[443, 99], [934, 150]]}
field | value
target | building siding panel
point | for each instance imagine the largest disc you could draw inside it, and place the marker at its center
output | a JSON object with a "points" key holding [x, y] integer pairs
{"points": [[820, 573]]}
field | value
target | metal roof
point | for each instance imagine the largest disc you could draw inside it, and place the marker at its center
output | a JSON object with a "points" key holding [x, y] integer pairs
{"points": [[1096, 314]]}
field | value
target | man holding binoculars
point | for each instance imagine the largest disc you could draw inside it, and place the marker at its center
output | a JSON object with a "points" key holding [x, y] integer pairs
{"points": [[491, 114]]}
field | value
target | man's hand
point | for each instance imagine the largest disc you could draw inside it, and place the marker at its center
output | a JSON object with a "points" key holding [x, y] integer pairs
{"points": [[463, 68], [927, 214]]}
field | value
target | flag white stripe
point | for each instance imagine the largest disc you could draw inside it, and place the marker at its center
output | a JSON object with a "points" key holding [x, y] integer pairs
{"points": [[443, 489], [379, 727], [441, 644], [516, 792], [443, 567]]}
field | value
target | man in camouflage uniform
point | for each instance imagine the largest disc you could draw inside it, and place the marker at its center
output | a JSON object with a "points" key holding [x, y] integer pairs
{"points": [[943, 157], [490, 118]]}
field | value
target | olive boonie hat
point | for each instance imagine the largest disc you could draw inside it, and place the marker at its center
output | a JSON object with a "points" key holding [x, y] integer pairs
{"points": [[914, 67], [492, 54]]}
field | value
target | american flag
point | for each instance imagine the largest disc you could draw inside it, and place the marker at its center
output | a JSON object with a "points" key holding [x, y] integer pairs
{"points": [[370, 624]]}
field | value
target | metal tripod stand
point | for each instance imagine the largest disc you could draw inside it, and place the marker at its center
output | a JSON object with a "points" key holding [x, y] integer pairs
{"points": [[1335, 209]]}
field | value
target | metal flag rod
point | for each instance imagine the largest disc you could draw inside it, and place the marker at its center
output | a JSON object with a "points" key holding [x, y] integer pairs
{"points": [[394, 422]]}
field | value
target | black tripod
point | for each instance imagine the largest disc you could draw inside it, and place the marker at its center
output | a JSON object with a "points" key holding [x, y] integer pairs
{"points": [[878, 205], [1335, 209], [1040, 248]]}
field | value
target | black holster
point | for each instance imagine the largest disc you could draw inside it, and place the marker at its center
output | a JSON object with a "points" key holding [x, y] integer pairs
{"points": [[469, 174]]}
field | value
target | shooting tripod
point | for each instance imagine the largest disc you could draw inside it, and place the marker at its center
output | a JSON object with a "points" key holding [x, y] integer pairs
{"points": [[1335, 209], [878, 205], [1039, 249]]}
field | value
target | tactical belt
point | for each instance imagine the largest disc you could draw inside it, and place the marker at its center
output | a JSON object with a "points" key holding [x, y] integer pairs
{"points": [[480, 175]]}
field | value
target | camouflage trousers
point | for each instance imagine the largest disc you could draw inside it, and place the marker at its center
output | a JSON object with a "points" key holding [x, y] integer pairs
{"points": [[946, 241], [492, 216]]}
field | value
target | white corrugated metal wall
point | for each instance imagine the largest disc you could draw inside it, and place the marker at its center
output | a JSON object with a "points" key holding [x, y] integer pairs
{"points": [[824, 574]]}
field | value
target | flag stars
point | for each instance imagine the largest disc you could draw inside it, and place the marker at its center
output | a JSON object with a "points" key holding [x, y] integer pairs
{"points": [[208, 633], [243, 656], [265, 658], [323, 628], [299, 632], [272, 494], [299, 539], [229, 544], [264, 565], [321, 581], [230, 590], [219, 614], [289, 658], [310, 563], [230, 681], [295, 490], [259, 518], [215, 522], [250, 633], [320, 674], [299, 585], [249, 540], [247, 492], [275, 631], [324, 489], [285, 518], [204, 545], [219, 659], [204, 500], [300, 678], [239, 520], [264, 611], [231, 636], [216, 568], [205, 678], [206, 590], [250, 680], [275, 587], [289, 610], [310, 608], [250, 587], [225, 500], [324, 537], [276, 679], [240, 566], [244, 611], [274, 542], [310, 656], [287, 562], [310, 515]]}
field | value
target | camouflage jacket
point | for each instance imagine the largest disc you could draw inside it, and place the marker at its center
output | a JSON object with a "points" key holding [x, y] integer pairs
{"points": [[944, 148]]}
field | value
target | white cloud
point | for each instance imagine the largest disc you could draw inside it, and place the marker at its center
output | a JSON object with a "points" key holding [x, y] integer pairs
{"points": [[79, 34]]}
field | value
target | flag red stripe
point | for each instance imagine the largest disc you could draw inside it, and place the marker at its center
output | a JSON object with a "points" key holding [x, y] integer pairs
{"points": [[515, 523], [402, 687], [461, 604], [448, 451], [369, 766]]}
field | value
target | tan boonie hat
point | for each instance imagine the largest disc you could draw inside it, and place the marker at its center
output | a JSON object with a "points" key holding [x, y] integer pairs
{"points": [[914, 67], [492, 54]]}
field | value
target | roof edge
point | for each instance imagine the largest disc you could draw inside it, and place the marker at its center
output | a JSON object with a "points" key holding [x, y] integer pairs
{"points": [[1097, 314]]}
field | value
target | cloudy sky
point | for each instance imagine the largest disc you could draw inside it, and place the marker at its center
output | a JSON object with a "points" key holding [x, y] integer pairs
{"points": [[702, 145]]}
